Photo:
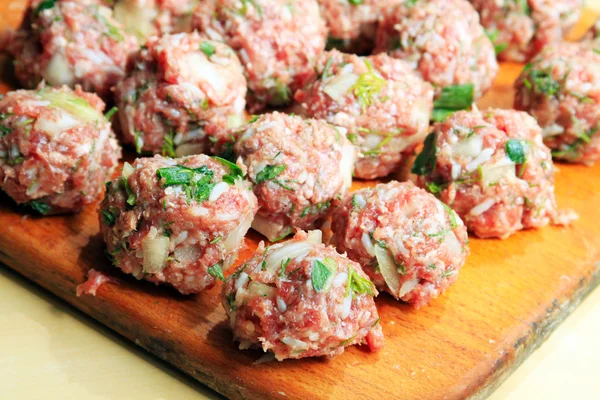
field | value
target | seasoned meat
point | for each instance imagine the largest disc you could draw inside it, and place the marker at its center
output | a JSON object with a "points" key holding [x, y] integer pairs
{"points": [[177, 221], [277, 41], [442, 40], [409, 243], [302, 299], [66, 42], [56, 148], [181, 95], [298, 169], [493, 169], [381, 104], [561, 89]]}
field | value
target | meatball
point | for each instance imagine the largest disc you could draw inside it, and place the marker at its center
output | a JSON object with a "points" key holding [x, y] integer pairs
{"points": [[145, 18], [442, 40], [493, 169], [409, 243], [277, 41], [352, 24], [181, 94], [520, 29], [298, 169], [56, 148], [561, 89], [71, 42], [177, 221], [302, 299], [380, 102]]}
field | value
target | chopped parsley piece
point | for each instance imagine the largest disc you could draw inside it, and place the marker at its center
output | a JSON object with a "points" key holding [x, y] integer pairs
{"points": [[540, 82], [284, 265], [131, 197], [280, 95], [453, 220], [427, 159], [285, 234], [138, 141], [354, 203], [493, 35], [235, 172], [355, 2], [217, 272], [44, 5], [168, 147], [379, 243], [269, 173], [516, 150], [253, 118], [216, 240], [435, 188], [320, 274], [453, 98], [263, 265], [110, 113], [231, 302], [315, 209], [197, 181], [367, 86], [327, 68], [40, 207], [110, 216], [377, 149], [207, 48], [5, 130], [253, 3], [358, 284]]}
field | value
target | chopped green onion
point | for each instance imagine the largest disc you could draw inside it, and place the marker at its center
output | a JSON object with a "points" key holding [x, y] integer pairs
{"points": [[110, 113]]}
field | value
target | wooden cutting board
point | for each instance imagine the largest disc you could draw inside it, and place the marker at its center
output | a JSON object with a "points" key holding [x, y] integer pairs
{"points": [[509, 297]]}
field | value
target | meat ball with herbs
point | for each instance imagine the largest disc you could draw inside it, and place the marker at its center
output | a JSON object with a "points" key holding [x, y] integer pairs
{"points": [[382, 105], [561, 89], [409, 243], [177, 221], [181, 95], [493, 169], [520, 29], [56, 148], [302, 299], [443, 41], [146, 18], [277, 41], [67, 42], [298, 169]]}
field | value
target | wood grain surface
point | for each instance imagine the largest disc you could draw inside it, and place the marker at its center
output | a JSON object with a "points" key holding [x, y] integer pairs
{"points": [[509, 297]]}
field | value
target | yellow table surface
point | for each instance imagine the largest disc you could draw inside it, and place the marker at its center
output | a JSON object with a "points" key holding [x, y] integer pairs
{"points": [[49, 350]]}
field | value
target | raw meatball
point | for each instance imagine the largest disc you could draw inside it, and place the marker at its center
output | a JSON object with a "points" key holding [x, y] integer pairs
{"points": [[493, 169], [181, 95], [71, 42], [298, 169], [352, 23], [302, 299], [145, 18], [561, 89], [56, 148], [381, 103], [277, 41], [177, 221], [408, 242], [442, 40], [521, 28]]}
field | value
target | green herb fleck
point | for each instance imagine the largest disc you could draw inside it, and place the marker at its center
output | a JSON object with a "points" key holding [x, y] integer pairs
{"points": [[207, 48], [516, 150], [451, 99], [44, 5], [367, 86], [320, 274], [40, 207], [427, 159], [217, 271]]}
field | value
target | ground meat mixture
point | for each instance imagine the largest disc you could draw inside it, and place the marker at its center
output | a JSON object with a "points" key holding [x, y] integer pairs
{"points": [[298, 169], [409, 243], [302, 299], [382, 105], [145, 18], [56, 148], [561, 89], [442, 40], [177, 221], [352, 24], [181, 94], [71, 42], [277, 41], [521, 28], [493, 169]]}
